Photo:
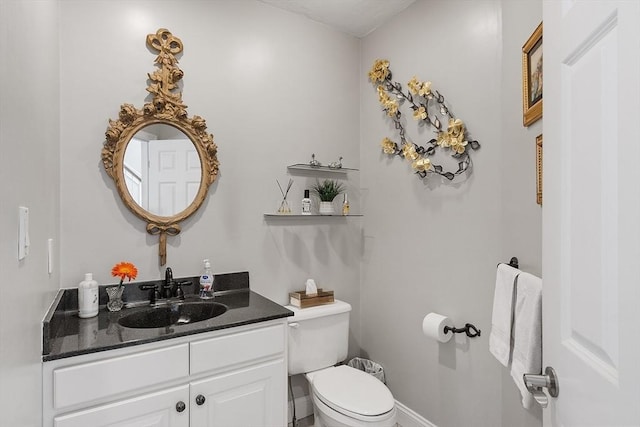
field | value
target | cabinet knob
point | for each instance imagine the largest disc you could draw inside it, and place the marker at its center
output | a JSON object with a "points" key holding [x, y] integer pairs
{"points": [[180, 406], [200, 399]]}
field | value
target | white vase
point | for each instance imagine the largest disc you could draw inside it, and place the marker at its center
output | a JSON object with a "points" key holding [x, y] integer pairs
{"points": [[326, 208]]}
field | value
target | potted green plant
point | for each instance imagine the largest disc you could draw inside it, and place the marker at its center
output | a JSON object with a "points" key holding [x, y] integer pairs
{"points": [[327, 190]]}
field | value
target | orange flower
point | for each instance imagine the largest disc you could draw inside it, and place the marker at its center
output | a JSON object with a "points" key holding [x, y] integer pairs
{"points": [[124, 270]]}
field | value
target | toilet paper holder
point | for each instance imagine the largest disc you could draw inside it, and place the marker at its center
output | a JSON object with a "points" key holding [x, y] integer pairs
{"points": [[470, 330]]}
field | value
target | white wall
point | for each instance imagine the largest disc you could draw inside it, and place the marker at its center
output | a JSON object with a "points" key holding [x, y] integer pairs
{"points": [[29, 174], [434, 246], [274, 87], [521, 216]]}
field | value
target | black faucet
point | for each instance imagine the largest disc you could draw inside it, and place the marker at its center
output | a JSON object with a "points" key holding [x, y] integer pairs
{"points": [[154, 294], [166, 289], [179, 291], [168, 283], [159, 291]]}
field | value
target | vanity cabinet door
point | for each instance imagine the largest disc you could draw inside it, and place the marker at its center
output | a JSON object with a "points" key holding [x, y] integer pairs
{"points": [[167, 408], [255, 396]]}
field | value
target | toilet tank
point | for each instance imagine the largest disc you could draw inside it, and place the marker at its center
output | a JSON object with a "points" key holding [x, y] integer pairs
{"points": [[318, 336]]}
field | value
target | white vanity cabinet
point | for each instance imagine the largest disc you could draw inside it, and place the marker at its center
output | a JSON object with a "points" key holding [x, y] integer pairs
{"points": [[149, 410], [230, 377], [249, 397]]}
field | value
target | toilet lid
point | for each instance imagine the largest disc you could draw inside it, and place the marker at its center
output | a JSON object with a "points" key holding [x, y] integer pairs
{"points": [[353, 390]]}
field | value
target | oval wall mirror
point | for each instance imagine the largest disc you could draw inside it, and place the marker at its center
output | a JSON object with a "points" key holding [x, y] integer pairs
{"points": [[161, 160]]}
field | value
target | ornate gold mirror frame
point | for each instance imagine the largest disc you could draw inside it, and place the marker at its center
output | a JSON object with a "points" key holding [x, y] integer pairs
{"points": [[166, 107]]}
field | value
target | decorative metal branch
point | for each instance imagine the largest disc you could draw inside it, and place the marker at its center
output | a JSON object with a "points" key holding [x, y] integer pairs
{"points": [[426, 105]]}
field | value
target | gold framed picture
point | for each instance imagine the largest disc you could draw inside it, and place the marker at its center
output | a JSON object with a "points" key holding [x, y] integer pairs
{"points": [[532, 78], [539, 169]]}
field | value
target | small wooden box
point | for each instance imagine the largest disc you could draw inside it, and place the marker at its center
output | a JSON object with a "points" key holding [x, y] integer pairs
{"points": [[300, 298]]}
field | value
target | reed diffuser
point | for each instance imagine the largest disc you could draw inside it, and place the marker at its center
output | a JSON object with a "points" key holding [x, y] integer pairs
{"points": [[284, 208]]}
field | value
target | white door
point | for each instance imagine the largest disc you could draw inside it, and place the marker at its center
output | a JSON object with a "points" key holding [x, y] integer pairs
{"points": [[591, 211], [251, 397], [174, 175], [167, 408], [136, 170]]}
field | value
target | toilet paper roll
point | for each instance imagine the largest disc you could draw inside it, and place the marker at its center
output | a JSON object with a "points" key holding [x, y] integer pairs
{"points": [[433, 327]]}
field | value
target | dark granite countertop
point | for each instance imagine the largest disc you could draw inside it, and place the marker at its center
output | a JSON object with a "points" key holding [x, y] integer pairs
{"points": [[65, 334]]}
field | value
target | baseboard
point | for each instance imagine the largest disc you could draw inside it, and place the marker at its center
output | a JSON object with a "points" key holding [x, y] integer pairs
{"points": [[408, 418]]}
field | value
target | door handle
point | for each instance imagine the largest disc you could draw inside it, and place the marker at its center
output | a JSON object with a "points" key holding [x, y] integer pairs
{"points": [[535, 384]]}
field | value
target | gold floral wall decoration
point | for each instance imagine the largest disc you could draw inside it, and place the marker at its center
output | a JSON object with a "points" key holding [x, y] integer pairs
{"points": [[427, 105]]}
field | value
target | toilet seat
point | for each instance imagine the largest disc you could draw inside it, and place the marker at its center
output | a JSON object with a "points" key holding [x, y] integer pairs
{"points": [[352, 392]]}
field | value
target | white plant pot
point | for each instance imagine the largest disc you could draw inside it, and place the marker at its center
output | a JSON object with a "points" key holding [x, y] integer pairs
{"points": [[326, 208]]}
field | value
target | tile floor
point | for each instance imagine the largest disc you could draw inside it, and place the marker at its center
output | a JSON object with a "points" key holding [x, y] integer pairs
{"points": [[305, 422]]}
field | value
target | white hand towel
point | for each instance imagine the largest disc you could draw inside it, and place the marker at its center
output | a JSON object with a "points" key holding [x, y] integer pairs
{"points": [[501, 318], [527, 333]]}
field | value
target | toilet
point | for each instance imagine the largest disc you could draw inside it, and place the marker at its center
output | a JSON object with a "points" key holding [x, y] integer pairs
{"points": [[342, 396]]}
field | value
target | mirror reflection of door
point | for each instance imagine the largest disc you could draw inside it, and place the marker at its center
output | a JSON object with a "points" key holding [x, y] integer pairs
{"points": [[134, 174], [174, 175], [162, 174]]}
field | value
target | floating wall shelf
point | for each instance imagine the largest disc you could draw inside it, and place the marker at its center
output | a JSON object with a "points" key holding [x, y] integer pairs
{"points": [[297, 216], [307, 167]]}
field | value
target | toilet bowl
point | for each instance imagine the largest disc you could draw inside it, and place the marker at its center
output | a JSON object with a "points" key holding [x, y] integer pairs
{"points": [[346, 397], [342, 396]]}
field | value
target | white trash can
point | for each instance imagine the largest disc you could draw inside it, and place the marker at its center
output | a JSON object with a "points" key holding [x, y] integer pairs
{"points": [[369, 366]]}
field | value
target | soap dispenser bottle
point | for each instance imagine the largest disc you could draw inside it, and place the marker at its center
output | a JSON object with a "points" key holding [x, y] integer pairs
{"points": [[206, 281], [88, 297]]}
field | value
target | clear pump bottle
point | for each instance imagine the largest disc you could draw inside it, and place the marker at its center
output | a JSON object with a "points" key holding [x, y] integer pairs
{"points": [[206, 281]]}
